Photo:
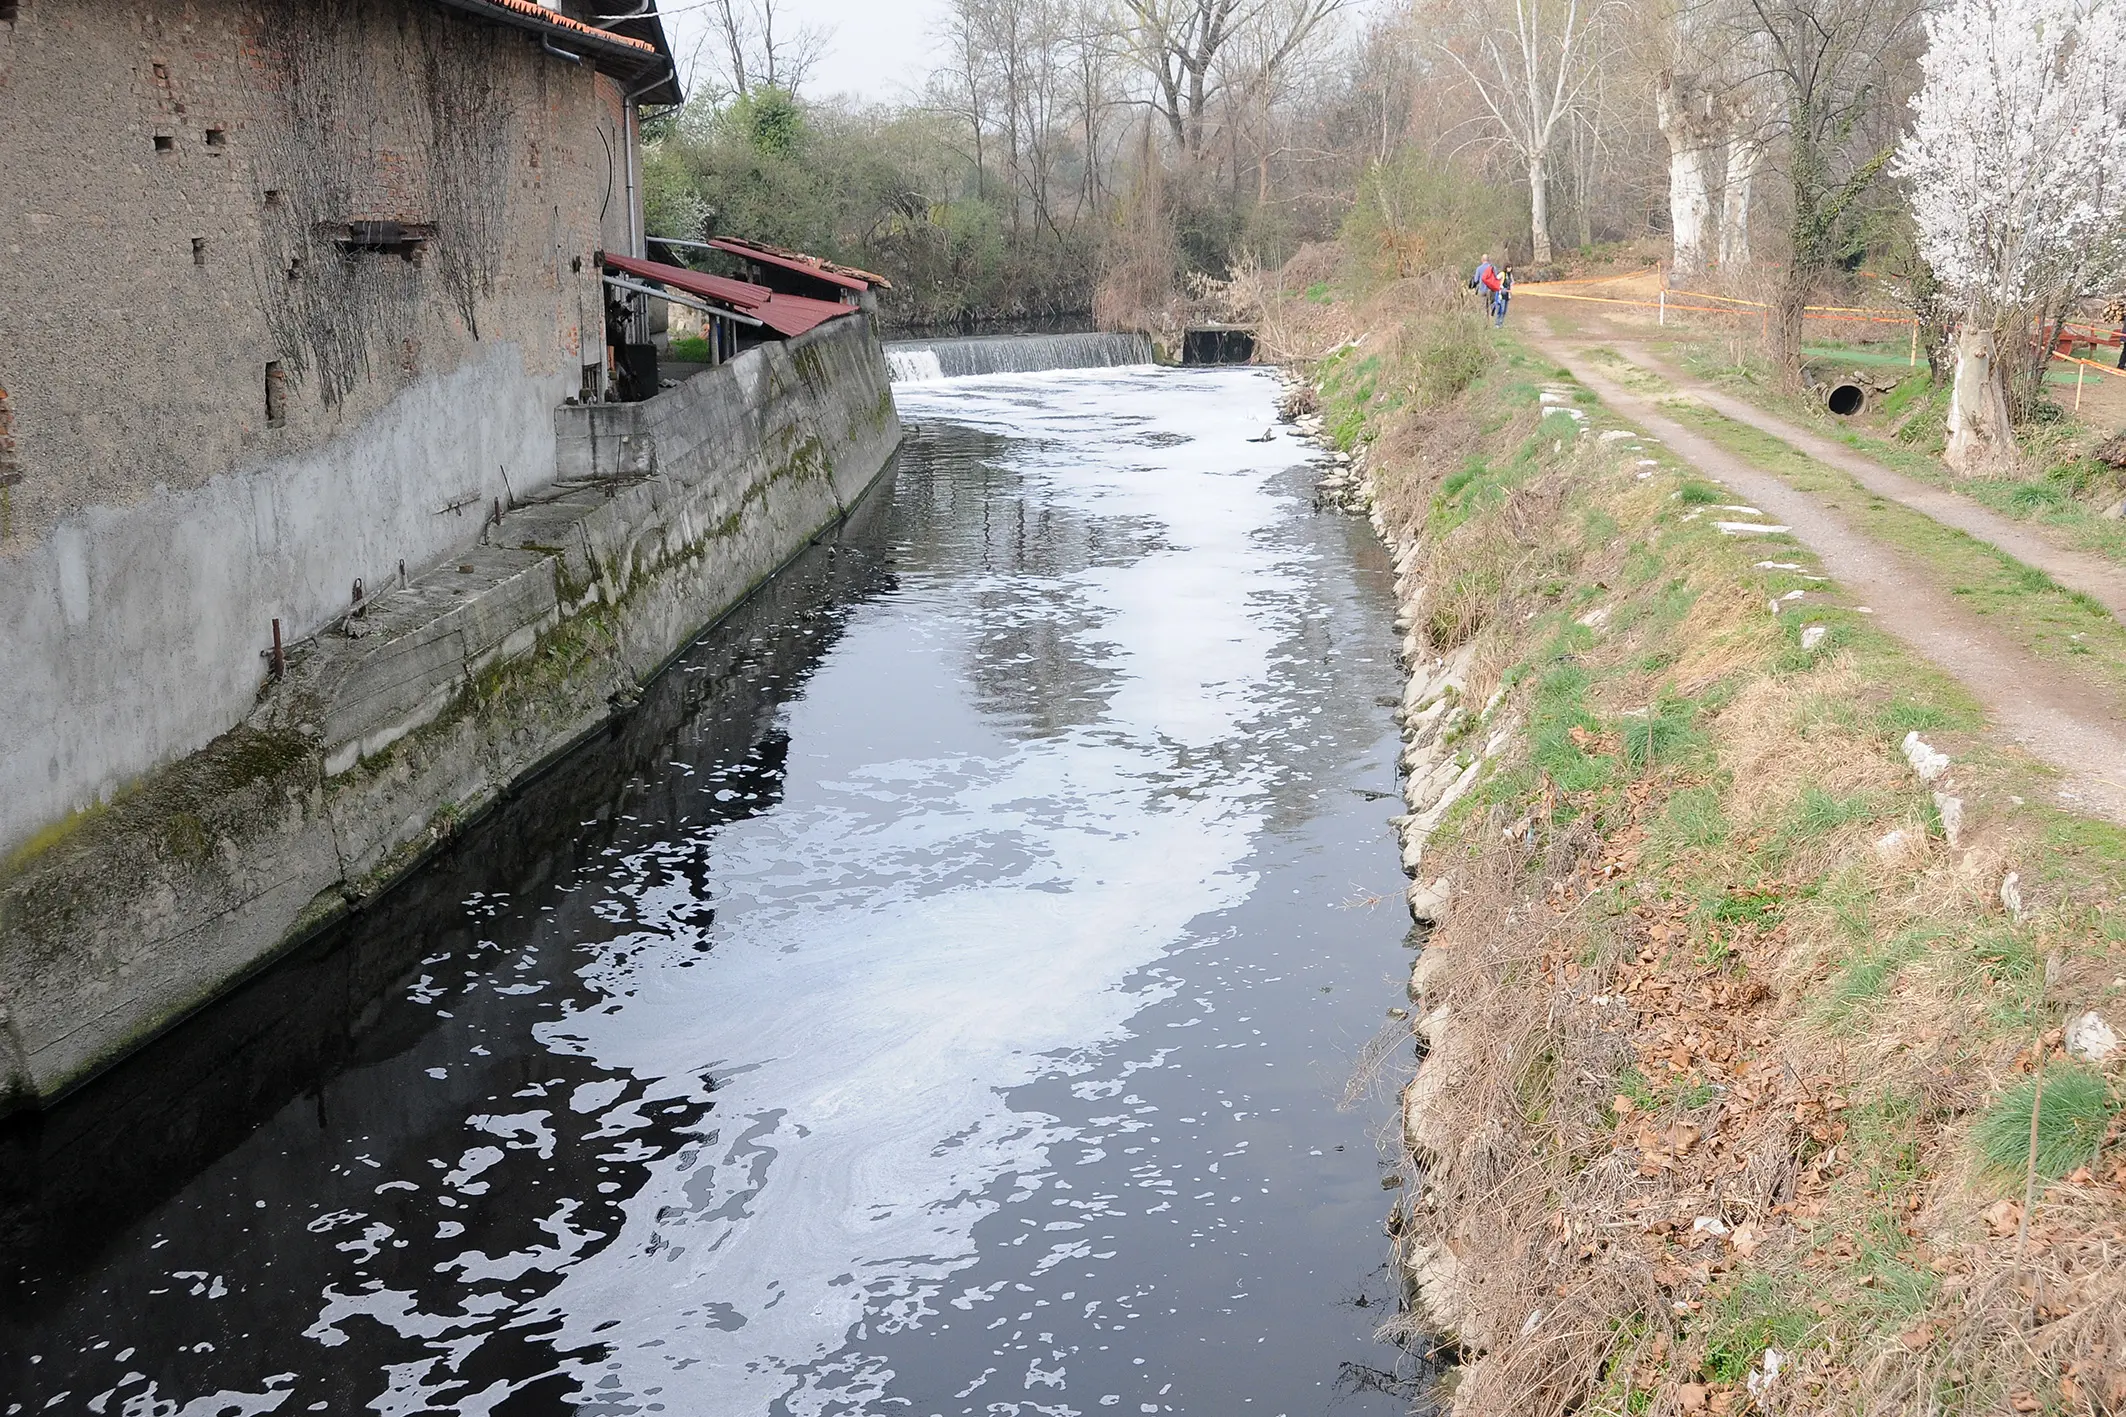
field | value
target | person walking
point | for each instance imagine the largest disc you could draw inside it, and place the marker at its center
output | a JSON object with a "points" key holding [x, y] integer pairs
{"points": [[1486, 277], [1501, 298]]}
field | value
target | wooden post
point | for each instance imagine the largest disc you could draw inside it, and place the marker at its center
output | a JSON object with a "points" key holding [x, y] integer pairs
{"points": [[2081, 372], [1912, 360], [1664, 308]]}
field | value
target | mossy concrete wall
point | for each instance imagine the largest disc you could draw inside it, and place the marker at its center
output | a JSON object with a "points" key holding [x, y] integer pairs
{"points": [[390, 731]]}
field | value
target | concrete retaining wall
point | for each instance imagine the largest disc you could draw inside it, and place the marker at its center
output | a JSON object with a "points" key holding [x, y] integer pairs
{"points": [[387, 734]]}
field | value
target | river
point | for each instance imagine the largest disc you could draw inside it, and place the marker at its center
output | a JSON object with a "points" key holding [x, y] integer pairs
{"points": [[935, 997]]}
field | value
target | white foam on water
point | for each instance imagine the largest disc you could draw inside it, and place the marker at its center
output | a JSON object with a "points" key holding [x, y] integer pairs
{"points": [[878, 983]]}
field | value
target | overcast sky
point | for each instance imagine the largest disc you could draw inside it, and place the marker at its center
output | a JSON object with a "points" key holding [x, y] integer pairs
{"points": [[879, 49]]}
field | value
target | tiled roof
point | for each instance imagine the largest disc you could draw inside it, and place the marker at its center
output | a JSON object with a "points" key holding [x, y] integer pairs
{"points": [[532, 10]]}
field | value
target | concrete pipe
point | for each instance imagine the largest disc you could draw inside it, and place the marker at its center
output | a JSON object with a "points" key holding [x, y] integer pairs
{"points": [[1845, 400]]}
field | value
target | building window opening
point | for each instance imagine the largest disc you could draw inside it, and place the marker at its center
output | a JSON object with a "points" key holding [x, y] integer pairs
{"points": [[383, 238], [276, 395], [165, 143], [199, 250], [217, 137]]}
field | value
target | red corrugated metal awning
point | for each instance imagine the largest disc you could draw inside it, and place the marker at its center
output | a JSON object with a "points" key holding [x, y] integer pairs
{"points": [[796, 261], [788, 315]]}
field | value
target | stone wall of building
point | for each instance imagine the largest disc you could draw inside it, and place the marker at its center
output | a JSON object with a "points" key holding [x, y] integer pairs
{"points": [[216, 414]]}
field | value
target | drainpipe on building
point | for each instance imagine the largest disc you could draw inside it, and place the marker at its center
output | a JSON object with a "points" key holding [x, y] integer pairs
{"points": [[631, 112]]}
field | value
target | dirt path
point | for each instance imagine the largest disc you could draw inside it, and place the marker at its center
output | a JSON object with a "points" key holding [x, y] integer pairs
{"points": [[2058, 720], [2077, 570]]}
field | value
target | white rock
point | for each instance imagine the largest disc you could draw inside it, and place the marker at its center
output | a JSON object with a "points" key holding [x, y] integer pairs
{"points": [[1648, 462], [2091, 1039], [1746, 511], [1594, 618], [1442, 1288], [1925, 761], [1751, 528], [1895, 846], [2012, 895], [1778, 566], [1812, 635], [1615, 435], [1708, 1225], [1429, 974], [1429, 903], [1433, 1026], [1793, 595], [1761, 1379], [1952, 817]]}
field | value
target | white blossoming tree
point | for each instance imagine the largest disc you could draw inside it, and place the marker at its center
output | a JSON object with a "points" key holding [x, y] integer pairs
{"points": [[2016, 164]]}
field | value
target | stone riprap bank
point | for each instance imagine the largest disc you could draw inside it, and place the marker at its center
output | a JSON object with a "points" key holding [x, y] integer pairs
{"points": [[392, 728]]}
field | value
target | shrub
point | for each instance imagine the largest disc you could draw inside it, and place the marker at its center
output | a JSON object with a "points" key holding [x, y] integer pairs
{"points": [[2072, 1118], [1416, 213]]}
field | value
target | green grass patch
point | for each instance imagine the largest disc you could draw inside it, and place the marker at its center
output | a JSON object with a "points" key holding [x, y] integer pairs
{"points": [[2072, 1116], [1749, 1318], [1661, 732]]}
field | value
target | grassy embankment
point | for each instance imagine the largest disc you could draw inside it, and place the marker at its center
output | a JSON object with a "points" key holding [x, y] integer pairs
{"points": [[1740, 1050]]}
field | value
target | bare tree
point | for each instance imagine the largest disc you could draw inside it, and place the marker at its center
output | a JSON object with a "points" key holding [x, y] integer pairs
{"points": [[1532, 63], [759, 49], [1837, 73], [1178, 44]]}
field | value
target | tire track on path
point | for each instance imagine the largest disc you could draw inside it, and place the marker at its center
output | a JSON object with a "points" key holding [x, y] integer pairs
{"points": [[2058, 720], [2103, 580]]}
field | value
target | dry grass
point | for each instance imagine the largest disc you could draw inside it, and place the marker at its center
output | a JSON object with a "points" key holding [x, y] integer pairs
{"points": [[1706, 1060]]}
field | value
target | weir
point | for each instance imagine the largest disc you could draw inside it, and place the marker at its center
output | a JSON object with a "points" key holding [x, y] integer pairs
{"points": [[917, 361]]}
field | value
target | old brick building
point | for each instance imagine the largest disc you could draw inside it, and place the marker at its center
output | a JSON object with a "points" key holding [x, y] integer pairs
{"points": [[289, 292]]}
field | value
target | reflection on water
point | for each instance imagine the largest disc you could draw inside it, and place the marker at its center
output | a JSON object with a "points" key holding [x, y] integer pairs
{"points": [[932, 999]]}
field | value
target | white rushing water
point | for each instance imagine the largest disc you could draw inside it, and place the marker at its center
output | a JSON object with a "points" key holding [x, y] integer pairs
{"points": [[913, 366], [917, 361]]}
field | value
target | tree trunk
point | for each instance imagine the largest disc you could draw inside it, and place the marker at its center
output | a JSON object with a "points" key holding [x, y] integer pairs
{"points": [[1686, 120], [1539, 205], [1743, 155], [1785, 322], [1981, 441]]}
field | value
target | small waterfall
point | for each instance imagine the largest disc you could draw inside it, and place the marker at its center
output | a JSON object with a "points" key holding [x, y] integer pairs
{"points": [[912, 365], [914, 360]]}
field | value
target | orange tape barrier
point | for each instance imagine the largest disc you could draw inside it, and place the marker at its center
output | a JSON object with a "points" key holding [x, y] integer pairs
{"points": [[2091, 364], [1814, 312]]}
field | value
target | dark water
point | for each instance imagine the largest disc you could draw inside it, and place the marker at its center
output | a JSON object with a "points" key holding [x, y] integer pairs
{"points": [[934, 998]]}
